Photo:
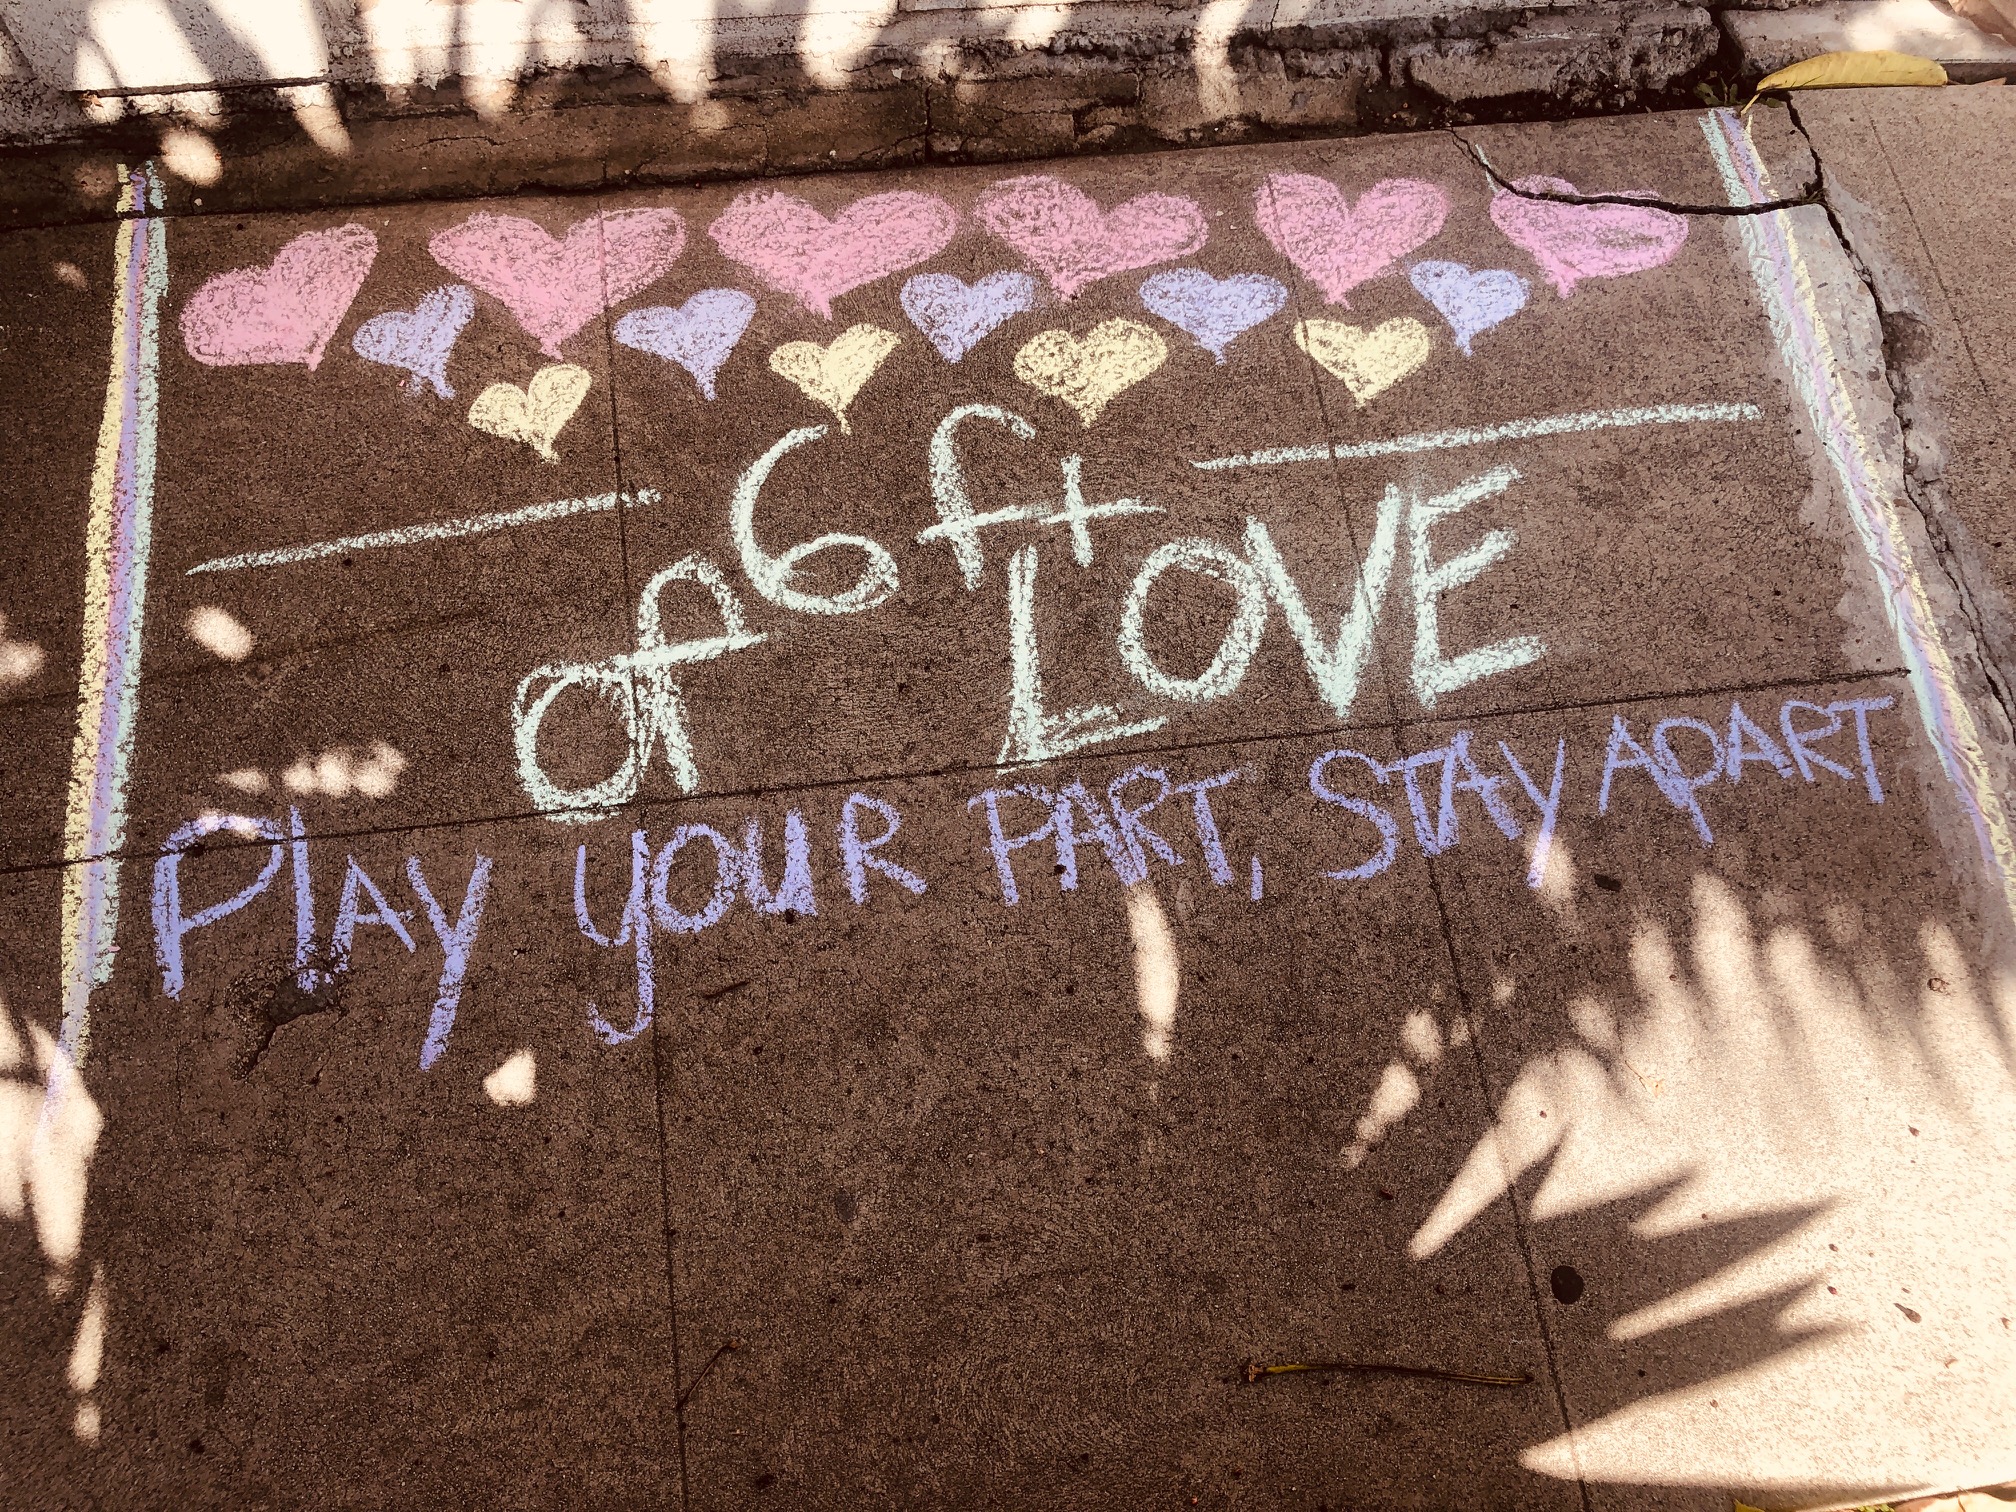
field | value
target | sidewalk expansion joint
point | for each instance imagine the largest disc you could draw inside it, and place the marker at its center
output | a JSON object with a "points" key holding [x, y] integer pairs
{"points": [[226, 841]]}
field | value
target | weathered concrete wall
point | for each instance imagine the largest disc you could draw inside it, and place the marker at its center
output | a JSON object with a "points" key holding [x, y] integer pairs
{"points": [[379, 105]]}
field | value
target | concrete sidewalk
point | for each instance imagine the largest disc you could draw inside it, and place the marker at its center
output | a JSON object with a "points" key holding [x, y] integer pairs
{"points": [[848, 842]]}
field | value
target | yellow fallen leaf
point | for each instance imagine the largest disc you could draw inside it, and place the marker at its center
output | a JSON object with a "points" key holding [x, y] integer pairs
{"points": [[1852, 70]]}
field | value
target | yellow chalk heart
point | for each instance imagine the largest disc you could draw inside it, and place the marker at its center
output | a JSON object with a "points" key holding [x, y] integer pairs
{"points": [[536, 413], [833, 374], [1369, 362], [1088, 375]]}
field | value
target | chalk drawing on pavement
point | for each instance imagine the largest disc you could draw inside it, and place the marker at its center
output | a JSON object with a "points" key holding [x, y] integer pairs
{"points": [[1434, 674], [777, 578], [1090, 373], [956, 316], [438, 530], [536, 413], [285, 311], [1800, 328], [553, 286], [1035, 733], [831, 375], [118, 539], [1064, 235], [1228, 664], [1367, 362], [960, 526], [174, 923], [1488, 435], [699, 335], [1463, 792], [1574, 242], [1339, 245], [419, 341], [798, 251], [1472, 302], [1213, 311], [637, 688]]}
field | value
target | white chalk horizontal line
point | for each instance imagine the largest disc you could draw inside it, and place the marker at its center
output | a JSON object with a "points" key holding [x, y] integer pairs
{"points": [[413, 535], [1511, 430]]}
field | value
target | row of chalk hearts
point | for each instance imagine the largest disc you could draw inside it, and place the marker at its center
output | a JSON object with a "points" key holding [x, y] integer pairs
{"points": [[288, 310], [1084, 373]]}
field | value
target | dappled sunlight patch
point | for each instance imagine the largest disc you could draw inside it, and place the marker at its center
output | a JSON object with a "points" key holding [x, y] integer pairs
{"points": [[1157, 970], [49, 1127], [1531, 1123], [87, 1358], [1774, 1104], [515, 1083], [836, 36], [49, 1130], [220, 632], [19, 659], [1396, 1095], [1398, 1091], [191, 155], [338, 772], [1555, 865], [341, 771]]}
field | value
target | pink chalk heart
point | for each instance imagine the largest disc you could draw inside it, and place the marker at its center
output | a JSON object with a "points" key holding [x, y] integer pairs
{"points": [[555, 287], [1063, 232], [798, 251], [1339, 245], [1574, 242], [285, 311]]}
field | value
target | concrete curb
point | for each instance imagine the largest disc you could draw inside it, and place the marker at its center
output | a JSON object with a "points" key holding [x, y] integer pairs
{"points": [[936, 85], [383, 117]]}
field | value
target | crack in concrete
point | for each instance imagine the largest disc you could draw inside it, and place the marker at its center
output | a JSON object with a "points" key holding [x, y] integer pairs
{"points": [[1807, 196], [1922, 485]]}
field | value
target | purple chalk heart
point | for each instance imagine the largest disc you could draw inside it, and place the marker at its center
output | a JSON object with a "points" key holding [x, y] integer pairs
{"points": [[1472, 303], [954, 315], [419, 340], [698, 335], [1214, 310]]}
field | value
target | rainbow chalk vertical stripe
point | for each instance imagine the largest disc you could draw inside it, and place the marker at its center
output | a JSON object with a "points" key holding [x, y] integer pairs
{"points": [[116, 546], [1786, 287]]}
